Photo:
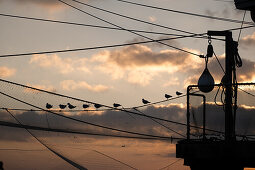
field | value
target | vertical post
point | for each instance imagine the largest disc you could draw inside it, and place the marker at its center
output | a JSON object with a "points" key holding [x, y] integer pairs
{"points": [[204, 118], [188, 115], [229, 67], [229, 130]]}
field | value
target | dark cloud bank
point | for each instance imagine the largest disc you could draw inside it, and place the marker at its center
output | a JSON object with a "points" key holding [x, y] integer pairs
{"points": [[215, 120]]}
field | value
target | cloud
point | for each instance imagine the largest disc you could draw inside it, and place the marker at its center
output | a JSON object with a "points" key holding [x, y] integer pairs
{"points": [[152, 19], [116, 119], [71, 85], [121, 120], [249, 40], [139, 64], [45, 3], [139, 55], [42, 87], [140, 77], [7, 72], [172, 82], [63, 65], [246, 73]]}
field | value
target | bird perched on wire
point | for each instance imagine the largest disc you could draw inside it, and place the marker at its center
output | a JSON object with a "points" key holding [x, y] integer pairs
{"points": [[167, 96], [97, 105], [71, 106], [85, 106], [178, 93], [62, 106], [116, 105], [48, 106], [145, 101]]}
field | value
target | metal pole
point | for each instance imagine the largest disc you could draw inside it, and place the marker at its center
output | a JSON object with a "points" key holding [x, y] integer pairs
{"points": [[229, 130], [229, 122], [188, 114], [204, 118]]}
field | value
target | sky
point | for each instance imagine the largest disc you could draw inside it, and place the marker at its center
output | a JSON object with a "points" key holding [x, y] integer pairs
{"points": [[122, 75]]}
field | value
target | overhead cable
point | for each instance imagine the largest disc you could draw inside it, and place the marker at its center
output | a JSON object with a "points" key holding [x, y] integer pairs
{"points": [[170, 164], [81, 100], [68, 131], [74, 164], [114, 159], [92, 48], [161, 124], [110, 46], [84, 25], [128, 17], [187, 13], [176, 48], [78, 120]]}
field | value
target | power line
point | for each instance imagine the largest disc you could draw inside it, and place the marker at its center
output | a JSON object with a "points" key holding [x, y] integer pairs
{"points": [[187, 13], [158, 102], [114, 159], [161, 124], [109, 46], [37, 128], [81, 121], [236, 82], [124, 28], [50, 149], [171, 164], [23, 150], [57, 110], [84, 25], [98, 26], [81, 100], [131, 18], [92, 48], [247, 92], [239, 35]]}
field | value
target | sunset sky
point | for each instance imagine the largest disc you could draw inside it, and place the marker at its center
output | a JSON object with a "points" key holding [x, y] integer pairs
{"points": [[122, 75]]}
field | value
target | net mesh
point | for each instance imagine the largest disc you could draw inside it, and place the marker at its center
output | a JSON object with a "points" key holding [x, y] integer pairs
{"points": [[215, 114]]}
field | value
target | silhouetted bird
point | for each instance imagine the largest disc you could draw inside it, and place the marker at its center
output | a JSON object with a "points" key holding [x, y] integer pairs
{"points": [[116, 105], [168, 96], [48, 106], [71, 106], [145, 101], [62, 106], [178, 93], [97, 105], [85, 106]]}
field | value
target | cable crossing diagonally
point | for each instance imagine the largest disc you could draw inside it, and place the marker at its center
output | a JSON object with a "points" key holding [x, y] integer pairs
{"points": [[110, 46], [94, 48], [124, 28], [37, 128], [161, 124], [187, 13], [81, 100], [84, 25], [130, 18], [78, 120], [74, 164]]}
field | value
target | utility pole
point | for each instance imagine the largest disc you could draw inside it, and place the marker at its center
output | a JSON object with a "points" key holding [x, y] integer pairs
{"points": [[219, 154], [227, 82]]}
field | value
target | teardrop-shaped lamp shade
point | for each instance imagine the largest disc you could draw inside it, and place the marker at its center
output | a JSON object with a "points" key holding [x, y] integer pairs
{"points": [[206, 82]]}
